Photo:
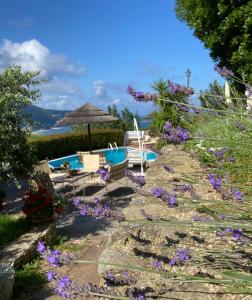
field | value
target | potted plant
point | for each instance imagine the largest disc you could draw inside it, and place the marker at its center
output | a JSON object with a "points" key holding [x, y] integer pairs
{"points": [[2, 195], [38, 206]]}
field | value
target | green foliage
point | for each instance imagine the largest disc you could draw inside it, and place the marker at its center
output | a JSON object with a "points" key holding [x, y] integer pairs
{"points": [[17, 90], [28, 279], [218, 102], [215, 131], [54, 146], [165, 110], [11, 228], [225, 28], [126, 117]]}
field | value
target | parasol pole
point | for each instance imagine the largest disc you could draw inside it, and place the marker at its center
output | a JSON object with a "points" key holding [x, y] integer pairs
{"points": [[89, 138]]}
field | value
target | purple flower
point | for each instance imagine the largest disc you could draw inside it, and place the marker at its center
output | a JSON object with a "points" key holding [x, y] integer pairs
{"points": [[168, 127], [231, 159], [182, 108], [172, 200], [140, 96], [157, 264], [76, 202], [84, 210], [41, 247], [97, 200], [237, 233], [140, 297], [215, 181], [183, 254], [139, 180], [186, 188], [54, 258], [176, 88], [51, 275], [104, 174], [169, 169], [172, 262], [237, 194], [224, 71], [158, 192], [176, 135]]}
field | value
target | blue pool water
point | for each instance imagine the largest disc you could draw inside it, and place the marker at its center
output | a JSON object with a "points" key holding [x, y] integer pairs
{"points": [[113, 157]]}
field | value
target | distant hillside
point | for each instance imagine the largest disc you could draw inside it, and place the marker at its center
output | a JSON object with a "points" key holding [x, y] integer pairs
{"points": [[44, 118]]}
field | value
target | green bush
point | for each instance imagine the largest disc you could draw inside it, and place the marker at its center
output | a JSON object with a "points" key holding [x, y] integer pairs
{"points": [[54, 146]]}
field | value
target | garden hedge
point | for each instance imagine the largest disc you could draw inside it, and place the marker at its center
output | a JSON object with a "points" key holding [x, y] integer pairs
{"points": [[59, 145]]}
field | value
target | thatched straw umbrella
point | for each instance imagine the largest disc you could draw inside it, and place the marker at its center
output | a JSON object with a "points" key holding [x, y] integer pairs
{"points": [[87, 114]]}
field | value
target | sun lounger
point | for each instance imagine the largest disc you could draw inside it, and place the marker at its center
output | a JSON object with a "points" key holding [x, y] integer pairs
{"points": [[133, 136], [136, 157]]}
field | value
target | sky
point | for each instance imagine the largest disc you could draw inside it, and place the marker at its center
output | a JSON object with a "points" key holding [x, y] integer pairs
{"points": [[91, 50]]}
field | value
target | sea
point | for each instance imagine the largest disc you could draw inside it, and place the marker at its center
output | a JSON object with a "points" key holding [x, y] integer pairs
{"points": [[58, 130]]}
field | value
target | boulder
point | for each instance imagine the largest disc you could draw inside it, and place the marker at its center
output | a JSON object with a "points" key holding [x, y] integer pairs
{"points": [[7, 275]]}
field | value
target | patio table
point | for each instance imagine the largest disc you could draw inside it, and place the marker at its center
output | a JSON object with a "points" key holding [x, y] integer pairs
{"points": [[72, 180]]}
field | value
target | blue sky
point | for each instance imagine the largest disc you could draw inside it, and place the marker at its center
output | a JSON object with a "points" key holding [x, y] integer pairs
{"points": [[90, 50]]}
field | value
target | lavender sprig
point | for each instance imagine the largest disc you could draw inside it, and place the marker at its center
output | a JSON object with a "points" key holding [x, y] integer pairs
{"points": [[215, 181], [237, 234], [122, 279], [169, 169], [100, 211], [183, 255], [140, 96], [238, 195], [224, 71], [104, 174], [176, 88], [139, 180], [55, 258]]}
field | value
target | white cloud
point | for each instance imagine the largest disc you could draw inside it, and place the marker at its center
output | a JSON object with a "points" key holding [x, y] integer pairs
{"points": [[61, 94], [116, 101], [31, 55], [100, 89]]}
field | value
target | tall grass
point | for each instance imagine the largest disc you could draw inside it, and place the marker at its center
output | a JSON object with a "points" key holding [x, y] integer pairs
{"points": [[11, 228]]}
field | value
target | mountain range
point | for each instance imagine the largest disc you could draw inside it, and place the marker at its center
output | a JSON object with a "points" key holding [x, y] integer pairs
{"points": [[44, 118]]}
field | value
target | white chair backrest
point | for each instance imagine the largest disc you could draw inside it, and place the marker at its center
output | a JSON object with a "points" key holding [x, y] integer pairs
{"points": [[91, 162], [134, 134]]}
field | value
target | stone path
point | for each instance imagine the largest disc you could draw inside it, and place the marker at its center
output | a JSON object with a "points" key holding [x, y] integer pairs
{"points": [[88, 235]]}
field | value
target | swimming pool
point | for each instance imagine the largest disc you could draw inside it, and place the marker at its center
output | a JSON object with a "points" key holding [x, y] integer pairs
{"points": [[113, 157]]}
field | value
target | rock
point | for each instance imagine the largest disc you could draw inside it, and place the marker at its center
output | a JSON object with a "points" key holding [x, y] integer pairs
{"points": [[23, 249], [7, 274]]}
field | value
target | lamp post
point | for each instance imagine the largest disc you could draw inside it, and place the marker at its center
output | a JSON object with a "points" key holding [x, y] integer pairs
{"points": [[188, 75]]}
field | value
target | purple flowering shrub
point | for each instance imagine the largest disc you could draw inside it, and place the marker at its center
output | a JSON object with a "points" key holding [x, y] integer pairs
{"points": [[139, 180], [98, 210], [169, 199], [176, 135], [104, 174]]}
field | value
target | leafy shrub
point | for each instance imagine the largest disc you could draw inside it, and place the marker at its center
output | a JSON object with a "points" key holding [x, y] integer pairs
{"points": [[28, 279], [54, 146]]}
